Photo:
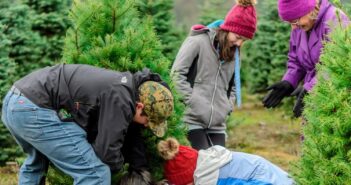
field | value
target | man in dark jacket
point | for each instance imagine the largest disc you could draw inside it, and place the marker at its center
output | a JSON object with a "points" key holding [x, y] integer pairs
{"points": [[78, 117]]}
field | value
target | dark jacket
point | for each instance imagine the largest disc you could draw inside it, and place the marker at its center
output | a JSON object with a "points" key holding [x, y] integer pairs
{"points": [[101, 101]]}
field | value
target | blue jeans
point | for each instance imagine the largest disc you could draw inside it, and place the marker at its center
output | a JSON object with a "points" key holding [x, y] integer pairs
{"points": [[44, 137]]}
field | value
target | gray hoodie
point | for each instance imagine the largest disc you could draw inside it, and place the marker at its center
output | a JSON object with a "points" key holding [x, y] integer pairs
{"points": [[207, 101]]}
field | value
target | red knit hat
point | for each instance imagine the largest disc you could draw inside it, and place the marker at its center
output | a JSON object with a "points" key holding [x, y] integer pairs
{"points": [[241, 19], [180, 162]]}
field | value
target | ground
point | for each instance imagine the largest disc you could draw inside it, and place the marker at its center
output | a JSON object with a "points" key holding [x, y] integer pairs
{"points": [[8, 175], [269, 133], [252, 129]]}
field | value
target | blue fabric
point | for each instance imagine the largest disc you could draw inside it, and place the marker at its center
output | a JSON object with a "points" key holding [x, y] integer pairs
{"points": [[44, 137], [237, 78], [215, 24], [248, 169], [237, 81], [232, 181]]}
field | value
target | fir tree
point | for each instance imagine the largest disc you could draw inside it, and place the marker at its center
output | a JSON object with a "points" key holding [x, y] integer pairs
{"points": [[18, 45], [110, 34], [50, 20], [213, 10], [326, 151], [34, 33], [8, 151], [265, 57], [163, 21], [26, 48]]}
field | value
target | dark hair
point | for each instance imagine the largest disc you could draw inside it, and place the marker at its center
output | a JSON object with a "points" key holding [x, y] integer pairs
{"points": [[226, 52], [141, 177]]}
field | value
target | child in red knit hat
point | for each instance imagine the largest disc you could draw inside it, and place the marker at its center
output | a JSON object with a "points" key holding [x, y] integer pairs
{"points": [[217, 165], [203, 72]]}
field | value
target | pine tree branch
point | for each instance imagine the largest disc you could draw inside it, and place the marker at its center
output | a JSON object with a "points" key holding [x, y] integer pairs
{"points": [[125, 11], [76, 40], [113, 20]]}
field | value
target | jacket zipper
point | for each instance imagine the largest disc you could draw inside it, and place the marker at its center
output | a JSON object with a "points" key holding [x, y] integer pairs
{"points": [[215, 88], [214, 93]]}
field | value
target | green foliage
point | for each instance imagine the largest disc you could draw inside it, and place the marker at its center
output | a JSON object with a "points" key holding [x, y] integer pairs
{"points": [[212, 10], [344, 5], [265, 57], [110, 34], [57, 177], [26, 45], [31, 37], [17, 44], [50, 20], [326, 151], [7, 72], [163, 21], [35, 29]]}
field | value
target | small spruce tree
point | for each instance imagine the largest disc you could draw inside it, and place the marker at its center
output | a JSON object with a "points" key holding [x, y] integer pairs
{"points": [[213, 10], [50, 20], [326, 150], [31, 37], [8, 147], [18, 45], [26, 45], [110, 34], [265, 57], [163, 21]]}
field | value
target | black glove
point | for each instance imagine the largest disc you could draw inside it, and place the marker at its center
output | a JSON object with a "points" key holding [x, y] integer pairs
{"points": [[279, 91], [300, 93]]}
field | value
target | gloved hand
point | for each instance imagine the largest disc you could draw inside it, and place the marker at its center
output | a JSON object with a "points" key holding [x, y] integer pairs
{"points": [[279, 91], [300, 93]]}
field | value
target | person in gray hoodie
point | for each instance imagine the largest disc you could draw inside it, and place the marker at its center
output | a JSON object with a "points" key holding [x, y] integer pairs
{"points": [[217, 165], [203, 72]]}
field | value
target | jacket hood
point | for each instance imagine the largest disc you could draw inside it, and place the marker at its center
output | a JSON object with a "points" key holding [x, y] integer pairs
{"points": [[208, 164], [199, 29]]}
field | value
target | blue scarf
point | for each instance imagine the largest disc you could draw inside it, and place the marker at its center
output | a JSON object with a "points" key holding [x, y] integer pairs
{"points": [[237, 82]]}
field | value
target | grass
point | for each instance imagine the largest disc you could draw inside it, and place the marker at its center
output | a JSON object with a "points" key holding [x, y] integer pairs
{"points": [[8, 175], [268, 133]]}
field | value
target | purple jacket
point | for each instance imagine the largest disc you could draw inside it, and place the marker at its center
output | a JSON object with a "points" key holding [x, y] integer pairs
{"points": [[304, 51]]}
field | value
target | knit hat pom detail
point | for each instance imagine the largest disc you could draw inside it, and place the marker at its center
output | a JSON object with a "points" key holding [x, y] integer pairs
{"points": [[246, 2], [168, 149]]}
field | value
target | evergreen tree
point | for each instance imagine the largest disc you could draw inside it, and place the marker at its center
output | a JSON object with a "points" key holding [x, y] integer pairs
{"points": [[163, 21], [326, 152], [35, 29], [32, 37], [7, 73], [26, 48], [50, 20], [212, 10], [18, 45], [110, 34], [265, 57]]}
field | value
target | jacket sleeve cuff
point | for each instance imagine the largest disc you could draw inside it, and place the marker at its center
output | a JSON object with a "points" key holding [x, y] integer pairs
{"points": [[291, 79], [309, 85]]}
